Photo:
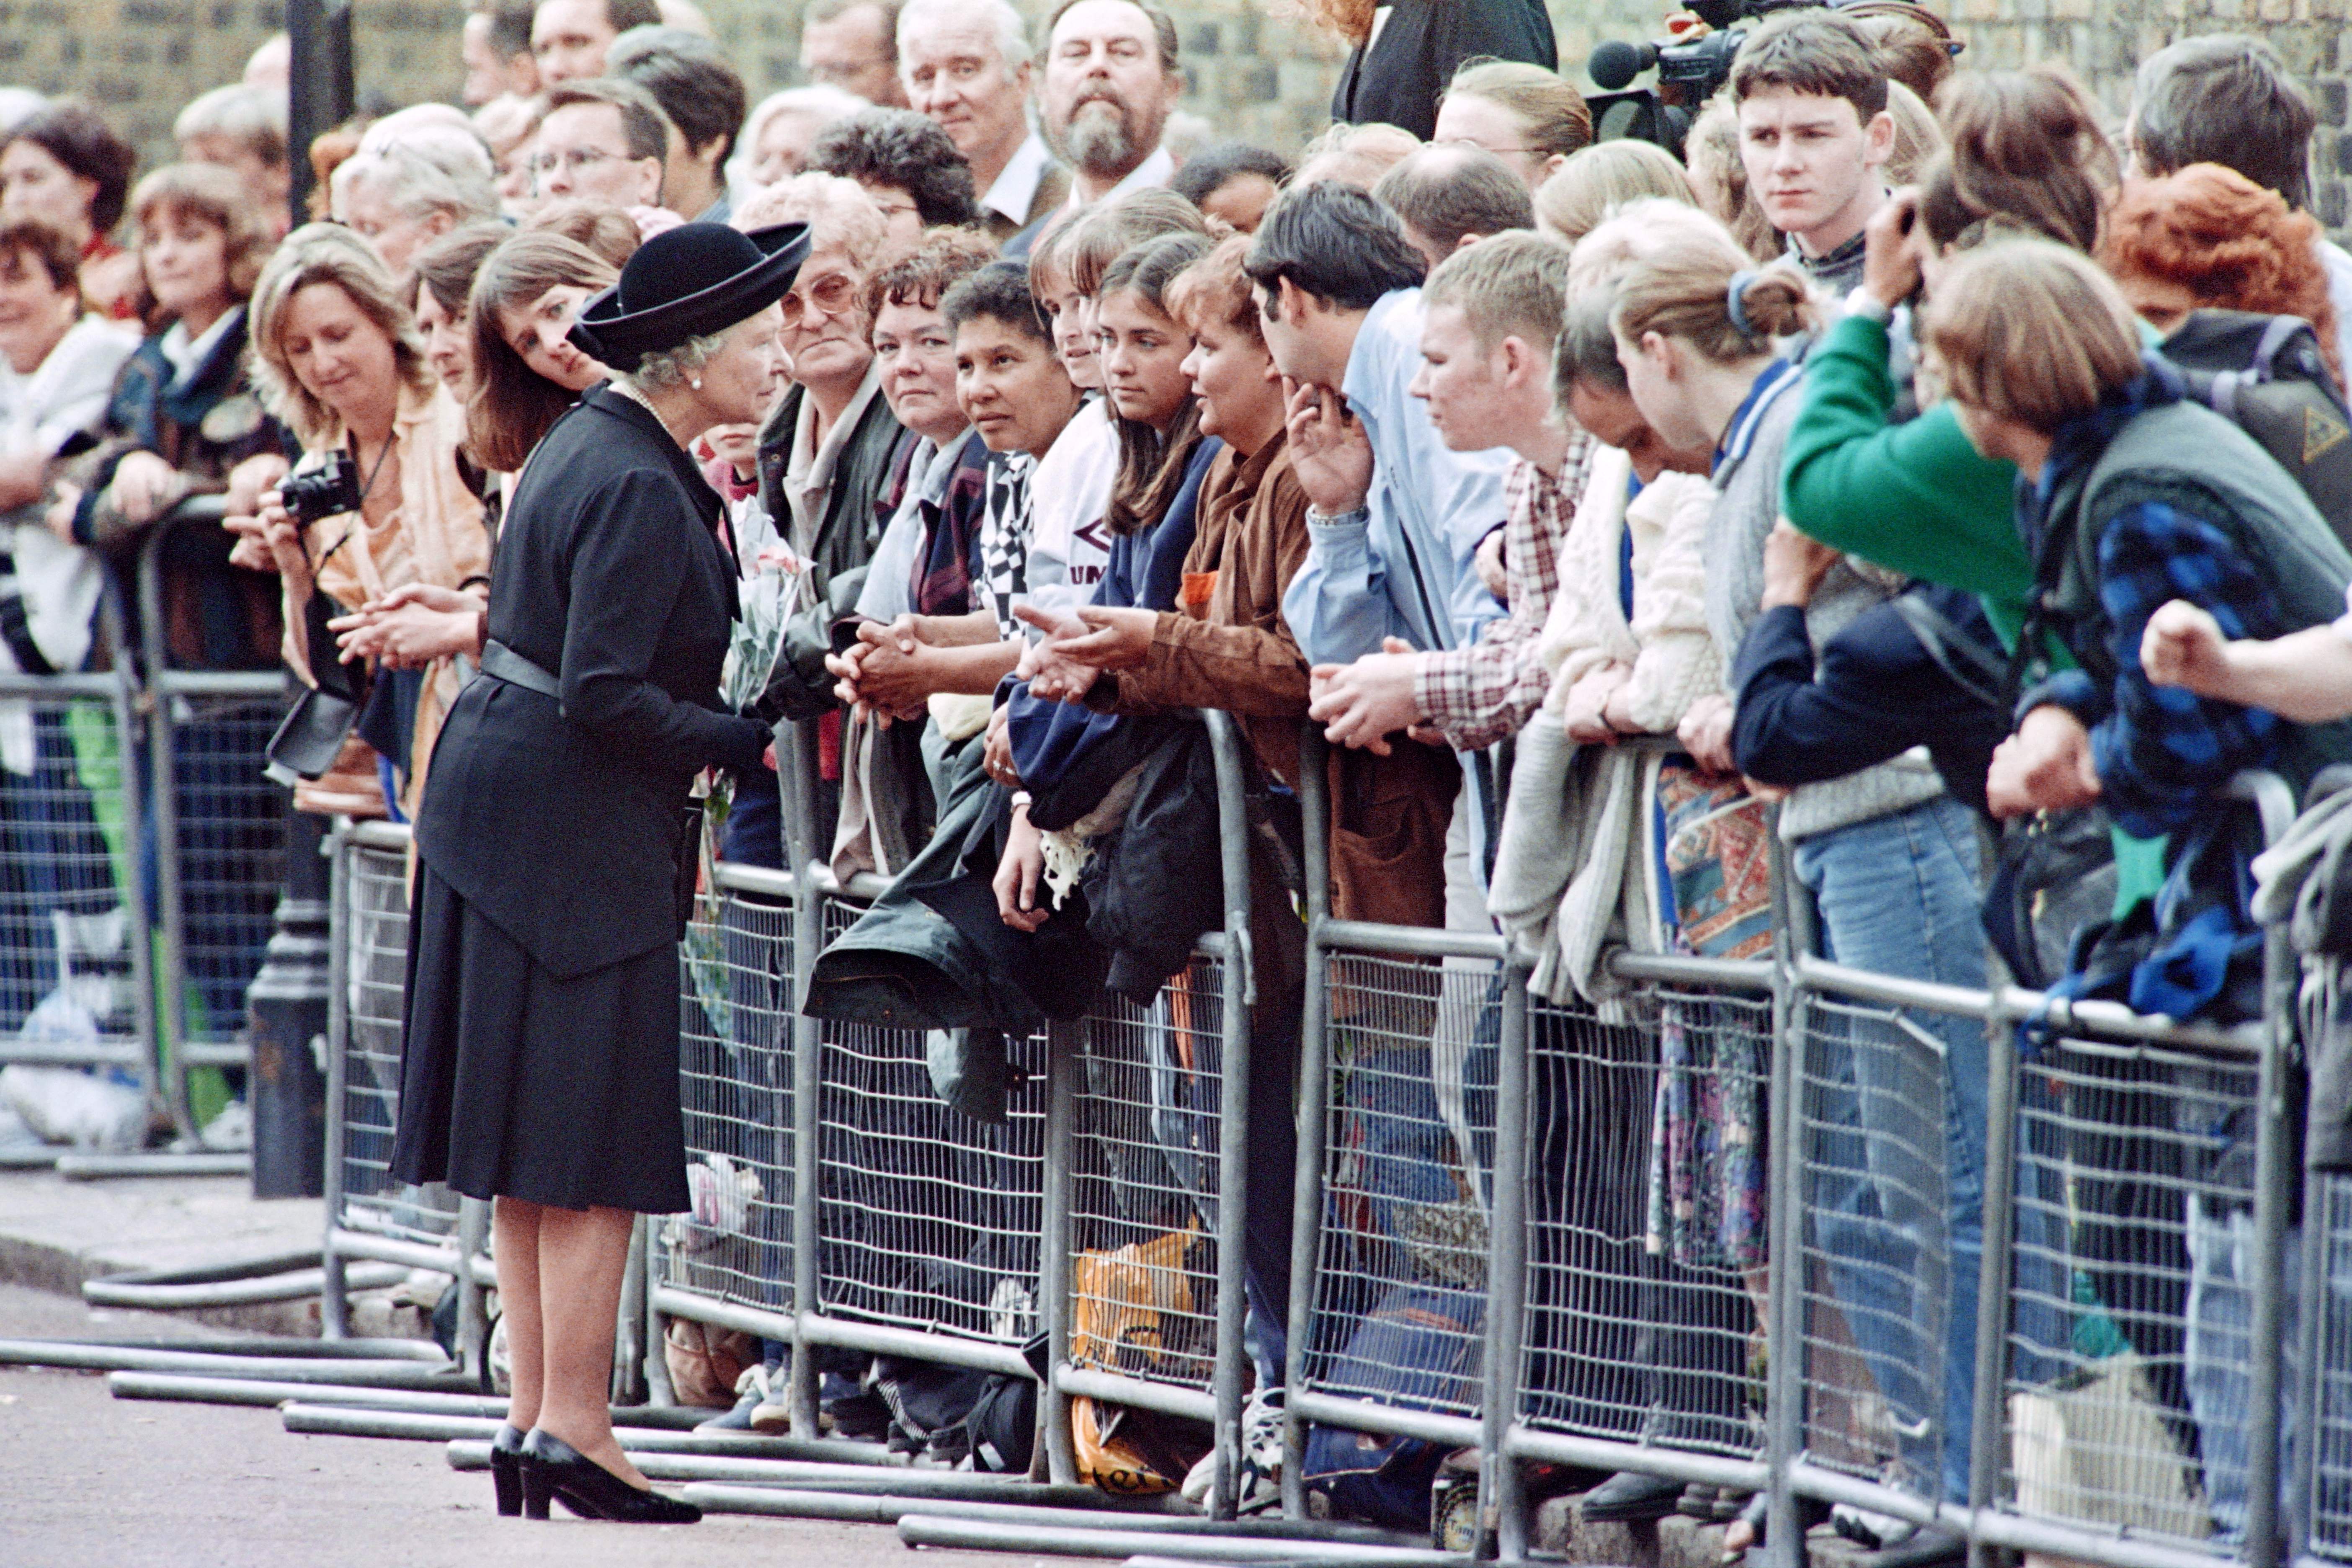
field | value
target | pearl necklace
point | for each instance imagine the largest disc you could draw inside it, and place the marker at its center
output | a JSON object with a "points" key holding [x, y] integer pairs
{"points": [[629, 390]]}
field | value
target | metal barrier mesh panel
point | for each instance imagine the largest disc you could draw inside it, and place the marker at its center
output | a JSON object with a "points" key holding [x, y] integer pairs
{"points": [[930, 1219], [1143, 1287], [1878, 1281], [65, 926], [1646, 1219], [2329, 1227], [376, 932], [232, 836], [2127, 1334], [1400, 1290], [735, 1078]]}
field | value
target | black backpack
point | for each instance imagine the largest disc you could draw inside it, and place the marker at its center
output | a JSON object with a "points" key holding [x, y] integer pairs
{"points": [[2267, 375]]}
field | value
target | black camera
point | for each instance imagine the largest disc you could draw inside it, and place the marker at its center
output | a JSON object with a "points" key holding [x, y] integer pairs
{"points": [[328, 490], [1689, 73]]}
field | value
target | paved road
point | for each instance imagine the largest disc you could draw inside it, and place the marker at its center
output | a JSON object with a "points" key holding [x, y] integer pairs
{"points": [[90, 1481]]}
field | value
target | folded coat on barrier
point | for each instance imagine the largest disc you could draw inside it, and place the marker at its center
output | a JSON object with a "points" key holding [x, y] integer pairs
{"points": [[934, 952]]}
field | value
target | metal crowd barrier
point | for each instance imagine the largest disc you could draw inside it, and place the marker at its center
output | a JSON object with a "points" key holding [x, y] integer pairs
{"points": [[840, 1207], [1489, 1249], [76, 984], [219, 826], [369, 1214], [141, 852]]}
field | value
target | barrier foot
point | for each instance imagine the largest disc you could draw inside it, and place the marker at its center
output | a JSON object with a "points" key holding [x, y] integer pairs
{"points": [[992, 1535], [107, 1167]]}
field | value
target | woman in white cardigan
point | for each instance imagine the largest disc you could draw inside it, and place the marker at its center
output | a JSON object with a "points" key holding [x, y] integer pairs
{"points": [[1617, 669]]}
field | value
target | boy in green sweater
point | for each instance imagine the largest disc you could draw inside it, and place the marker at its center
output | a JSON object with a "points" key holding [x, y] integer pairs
{"points": [[1915, 497]]}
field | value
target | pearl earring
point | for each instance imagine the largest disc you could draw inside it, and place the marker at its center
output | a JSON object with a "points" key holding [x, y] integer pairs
{"points": [[698, 383]]}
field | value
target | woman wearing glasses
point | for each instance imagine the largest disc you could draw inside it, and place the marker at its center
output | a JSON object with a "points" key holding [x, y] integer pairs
{"points": [[826, 455]]}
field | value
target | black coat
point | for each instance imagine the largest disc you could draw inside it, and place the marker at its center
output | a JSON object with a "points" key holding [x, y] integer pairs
{"points": [[1876, 692], [1396, 79], [560, 822]]}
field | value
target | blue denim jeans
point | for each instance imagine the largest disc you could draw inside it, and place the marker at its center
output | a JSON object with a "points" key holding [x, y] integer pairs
{"points": [[1898, 896], [2217, 1356]]}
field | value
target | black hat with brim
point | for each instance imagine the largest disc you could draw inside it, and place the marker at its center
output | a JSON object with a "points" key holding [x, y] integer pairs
{"points": [[695, 281]]}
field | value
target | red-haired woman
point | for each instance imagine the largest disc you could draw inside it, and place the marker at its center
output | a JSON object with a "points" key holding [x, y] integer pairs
{"points": [[2208, 238]]}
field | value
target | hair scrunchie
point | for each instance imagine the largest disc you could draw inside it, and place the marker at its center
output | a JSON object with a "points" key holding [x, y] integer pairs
{"points": [[1734, 301]]}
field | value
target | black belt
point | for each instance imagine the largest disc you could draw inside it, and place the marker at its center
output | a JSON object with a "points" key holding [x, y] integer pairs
{"points": [[503, 662]]}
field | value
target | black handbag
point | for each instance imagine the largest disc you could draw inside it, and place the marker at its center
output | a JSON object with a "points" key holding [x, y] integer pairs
{"points": [[310, 737]]}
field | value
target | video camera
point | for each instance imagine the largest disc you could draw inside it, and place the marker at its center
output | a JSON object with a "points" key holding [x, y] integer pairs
{"points": [[1688, 72]]}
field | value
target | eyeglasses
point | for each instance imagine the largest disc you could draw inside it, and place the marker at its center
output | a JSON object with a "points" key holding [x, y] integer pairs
{"points": [[575, 160], [829, 296]]}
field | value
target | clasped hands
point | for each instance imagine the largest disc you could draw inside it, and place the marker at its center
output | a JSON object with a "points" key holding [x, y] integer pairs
{"points": [[411, 626]]}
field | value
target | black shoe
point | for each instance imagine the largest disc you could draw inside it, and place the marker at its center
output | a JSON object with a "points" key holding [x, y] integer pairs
{"points": [[506, 1469], [1630, 1498], [1929, 1546], [552, 1467]]}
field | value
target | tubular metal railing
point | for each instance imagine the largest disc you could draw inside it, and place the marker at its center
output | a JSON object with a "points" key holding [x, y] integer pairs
{"points": [[1496, 1243]]}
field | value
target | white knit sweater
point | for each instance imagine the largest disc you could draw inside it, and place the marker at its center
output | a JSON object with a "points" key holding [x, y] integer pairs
{"points": [[1674, 658]]}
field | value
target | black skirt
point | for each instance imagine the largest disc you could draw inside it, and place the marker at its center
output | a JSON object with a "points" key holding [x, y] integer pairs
{"points": [[515, 1083]]}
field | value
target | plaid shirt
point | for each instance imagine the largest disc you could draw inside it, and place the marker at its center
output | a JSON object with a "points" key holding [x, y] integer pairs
{"points": [[2161, 752], [1478, 694]]}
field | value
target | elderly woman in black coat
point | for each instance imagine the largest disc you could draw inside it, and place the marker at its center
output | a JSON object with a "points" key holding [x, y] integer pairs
{"points": [[541, 1062]]}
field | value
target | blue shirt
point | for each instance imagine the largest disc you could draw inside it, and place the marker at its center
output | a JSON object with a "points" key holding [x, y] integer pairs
{"points": [[1402, 565]]}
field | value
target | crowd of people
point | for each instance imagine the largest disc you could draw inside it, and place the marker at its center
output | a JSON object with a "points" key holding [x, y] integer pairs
{"points": [[1864, 449]]}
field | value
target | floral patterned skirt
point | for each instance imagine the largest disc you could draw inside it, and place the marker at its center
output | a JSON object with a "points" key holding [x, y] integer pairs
{"points": [[1708, 1162]]}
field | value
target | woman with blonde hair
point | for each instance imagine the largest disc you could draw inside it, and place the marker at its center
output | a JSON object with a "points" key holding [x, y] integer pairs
{"points": [[183, 418], [1588, 184], [1889, 857], [377, 502]]}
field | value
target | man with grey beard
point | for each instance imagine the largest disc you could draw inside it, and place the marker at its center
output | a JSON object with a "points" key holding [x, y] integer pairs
{"points": [[1110, 80]]}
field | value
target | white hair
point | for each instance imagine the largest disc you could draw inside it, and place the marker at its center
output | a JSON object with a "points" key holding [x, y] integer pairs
{"points": [[1011, 28], [417, 185], [437, 133], [246, 115], [16, 103], [840, 215], [821, 102], [676, 367]]}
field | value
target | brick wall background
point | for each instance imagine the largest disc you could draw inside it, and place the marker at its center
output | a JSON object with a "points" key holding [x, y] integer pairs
{"points": [[1253, 68]]}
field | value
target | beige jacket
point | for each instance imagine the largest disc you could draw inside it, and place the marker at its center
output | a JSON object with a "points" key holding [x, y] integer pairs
{"points": [[437, 535]]}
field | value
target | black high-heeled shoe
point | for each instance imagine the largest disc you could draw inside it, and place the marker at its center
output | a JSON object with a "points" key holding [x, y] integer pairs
{"points": [[554, 1469], [506, 1469]]}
